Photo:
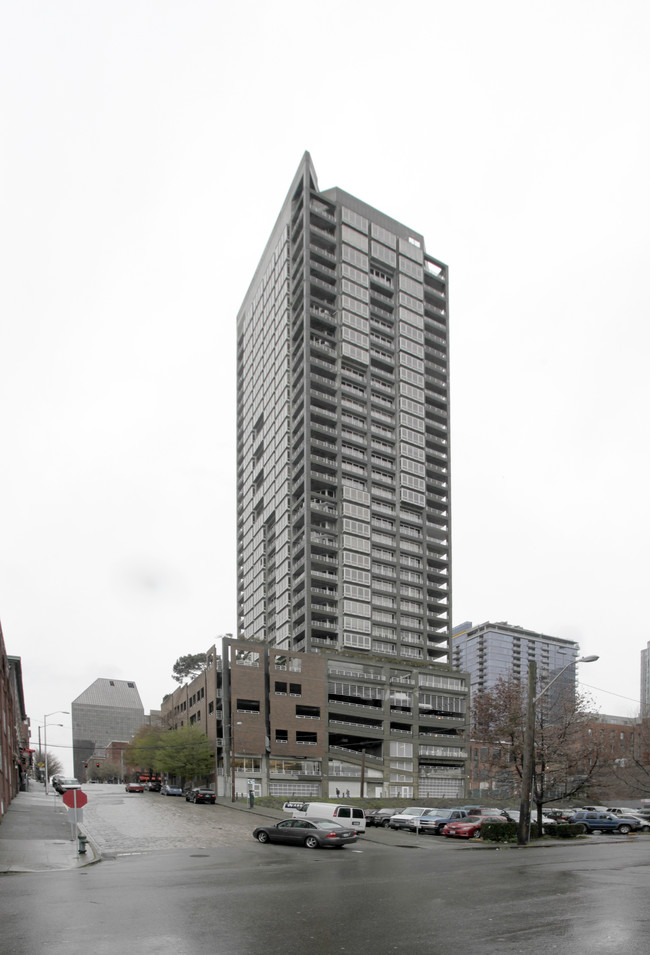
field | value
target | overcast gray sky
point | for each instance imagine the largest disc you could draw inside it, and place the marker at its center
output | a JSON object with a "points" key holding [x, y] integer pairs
{"points": [[146, 150]]}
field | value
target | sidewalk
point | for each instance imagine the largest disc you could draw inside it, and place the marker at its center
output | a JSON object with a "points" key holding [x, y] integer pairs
{"points": [[35, 835]]}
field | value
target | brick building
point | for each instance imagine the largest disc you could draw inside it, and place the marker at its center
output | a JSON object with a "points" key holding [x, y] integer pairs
{"points": [[14, 728], [306, 724]]}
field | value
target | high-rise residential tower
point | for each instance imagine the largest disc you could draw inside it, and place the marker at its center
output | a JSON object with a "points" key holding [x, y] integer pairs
{"points": [[645, 682], [493, 651], [344, 531]]}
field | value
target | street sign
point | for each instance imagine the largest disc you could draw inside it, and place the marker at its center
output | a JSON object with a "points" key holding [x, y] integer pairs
{"points": [[74, 798]]}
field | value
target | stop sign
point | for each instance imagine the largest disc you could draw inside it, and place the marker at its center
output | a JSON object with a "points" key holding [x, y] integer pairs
{"points": [[74, 798]]}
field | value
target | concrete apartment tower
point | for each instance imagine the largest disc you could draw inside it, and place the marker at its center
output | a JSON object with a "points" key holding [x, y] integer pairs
{"points": [[344, 533], [645, 682], [493, 651], [344, 528]]}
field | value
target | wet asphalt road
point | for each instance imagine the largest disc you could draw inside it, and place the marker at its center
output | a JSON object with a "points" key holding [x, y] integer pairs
{"points": [[390, 893]]}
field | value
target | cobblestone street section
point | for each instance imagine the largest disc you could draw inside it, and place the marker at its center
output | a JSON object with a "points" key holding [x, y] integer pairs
{"points": [[118, 822]]}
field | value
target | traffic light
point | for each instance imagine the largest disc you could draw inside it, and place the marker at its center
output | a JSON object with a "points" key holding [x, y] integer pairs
{"points": [[97, 765], [85, 765]]}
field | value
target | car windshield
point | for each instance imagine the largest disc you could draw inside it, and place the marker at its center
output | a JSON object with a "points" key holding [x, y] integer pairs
{"points": [[435, 813], [326, 824], [470, 819]]}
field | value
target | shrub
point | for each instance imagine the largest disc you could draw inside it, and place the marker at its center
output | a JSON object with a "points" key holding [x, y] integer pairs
{"points": [[499, 831], [565, 830]]}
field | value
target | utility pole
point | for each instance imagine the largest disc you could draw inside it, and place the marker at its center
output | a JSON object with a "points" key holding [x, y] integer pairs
{"points": [[529, 758]]}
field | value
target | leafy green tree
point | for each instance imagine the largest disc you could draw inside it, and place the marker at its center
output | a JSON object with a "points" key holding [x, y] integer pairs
{"points": [[185, 752], [142, 752], [189, 666], [105, 770]]}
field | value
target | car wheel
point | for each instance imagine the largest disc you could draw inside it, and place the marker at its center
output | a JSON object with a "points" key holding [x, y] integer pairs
{"points": [[386, 823], [645, 828], [625, 829], [311, 842], [476, 834], [262, 837]]}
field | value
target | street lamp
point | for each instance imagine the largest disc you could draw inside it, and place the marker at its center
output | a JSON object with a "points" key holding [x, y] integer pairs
{"points": [[40, 748], [523, 832], [66, 713]]}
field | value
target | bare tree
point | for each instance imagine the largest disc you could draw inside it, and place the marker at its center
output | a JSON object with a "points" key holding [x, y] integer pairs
{"points": [[566, 757], [54, 764]]}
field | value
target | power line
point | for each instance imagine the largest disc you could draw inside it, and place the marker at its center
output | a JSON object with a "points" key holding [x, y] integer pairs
{"points": [[610, 693]]}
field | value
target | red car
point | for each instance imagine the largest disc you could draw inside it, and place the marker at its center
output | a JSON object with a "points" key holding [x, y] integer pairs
{"points": [[134, 788], [469, 827]]}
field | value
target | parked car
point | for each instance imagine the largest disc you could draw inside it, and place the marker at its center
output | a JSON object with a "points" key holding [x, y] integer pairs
{"points": [[63, 784], [345, 815], [606, 822], [469, 827], [512, 815], [134, 788], [171, 791], [633, 814], [481, 810], [560, 815], [403, 819], [312, 833], [380, 818], [434, 820], [200, 795]]}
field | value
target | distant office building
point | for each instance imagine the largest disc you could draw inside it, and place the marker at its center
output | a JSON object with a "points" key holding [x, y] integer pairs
{"points": [[493, 650], [645, 682], [108, 710]]}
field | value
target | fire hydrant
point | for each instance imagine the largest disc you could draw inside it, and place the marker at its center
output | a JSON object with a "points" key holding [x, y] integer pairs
{"points": [[82, 844]]}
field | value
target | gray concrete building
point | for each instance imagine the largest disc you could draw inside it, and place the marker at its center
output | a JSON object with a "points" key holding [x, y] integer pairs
{"points": [[645, 682], [343, 497], [344, 527], [490, 651], [108, 710]]}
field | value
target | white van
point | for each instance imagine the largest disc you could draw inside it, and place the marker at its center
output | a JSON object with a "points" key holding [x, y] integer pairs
{"points": [[346, 815]]}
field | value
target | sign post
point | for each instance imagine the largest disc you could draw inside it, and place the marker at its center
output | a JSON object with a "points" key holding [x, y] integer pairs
{"points": [[75, 800]]}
